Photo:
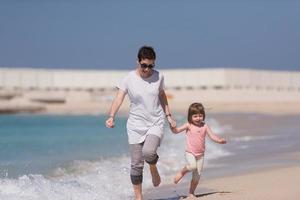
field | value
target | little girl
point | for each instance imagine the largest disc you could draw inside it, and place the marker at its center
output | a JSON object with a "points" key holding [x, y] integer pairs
{"points": [[196, 130]]}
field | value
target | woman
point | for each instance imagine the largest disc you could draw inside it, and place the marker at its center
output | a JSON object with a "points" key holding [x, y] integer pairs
{"points": [[148, 110]]}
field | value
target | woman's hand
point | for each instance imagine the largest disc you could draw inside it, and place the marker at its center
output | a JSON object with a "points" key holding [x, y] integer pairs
{"points": [[110, 122], [171, 121]]}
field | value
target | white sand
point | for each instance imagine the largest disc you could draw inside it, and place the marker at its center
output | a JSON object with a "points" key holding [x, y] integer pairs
{"points": [[84, 102]]}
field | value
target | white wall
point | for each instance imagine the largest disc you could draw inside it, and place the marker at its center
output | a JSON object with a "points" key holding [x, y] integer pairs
{"points": [[194, 78]]}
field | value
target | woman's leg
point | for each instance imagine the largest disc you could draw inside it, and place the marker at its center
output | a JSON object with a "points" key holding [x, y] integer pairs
{"points": [[138, 191], [136, 172], [149, 152], [155, 175]]}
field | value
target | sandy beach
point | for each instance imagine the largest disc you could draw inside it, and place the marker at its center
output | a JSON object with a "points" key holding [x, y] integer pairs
{"points": [[85, 102], [277, 184], [274, 184]]}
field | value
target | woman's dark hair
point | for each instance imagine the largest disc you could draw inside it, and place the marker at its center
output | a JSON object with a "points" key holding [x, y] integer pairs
{"points": [[195, 108], [146, 52]]}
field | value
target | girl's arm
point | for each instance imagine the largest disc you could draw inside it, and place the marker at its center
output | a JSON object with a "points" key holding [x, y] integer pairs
{"points": [[179, 129], [164, 103], [215, 137], [118, 100]]}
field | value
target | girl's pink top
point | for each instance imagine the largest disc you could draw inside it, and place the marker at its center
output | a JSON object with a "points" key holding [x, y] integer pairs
{"points": [[195, 139]]}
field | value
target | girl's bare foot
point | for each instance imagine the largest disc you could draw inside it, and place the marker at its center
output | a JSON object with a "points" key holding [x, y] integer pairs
{"points": [[191, 197], [178, 177], [155, 175]]}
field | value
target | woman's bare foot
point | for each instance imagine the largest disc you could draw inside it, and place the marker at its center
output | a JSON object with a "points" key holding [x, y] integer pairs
{"points": [[155, 175]]}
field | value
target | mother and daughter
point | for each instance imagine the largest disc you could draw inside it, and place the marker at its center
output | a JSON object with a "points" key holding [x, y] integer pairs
{"points": [[148, 110]]}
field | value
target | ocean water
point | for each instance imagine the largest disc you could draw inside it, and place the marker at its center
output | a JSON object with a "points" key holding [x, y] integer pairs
{"points": [[38, 143], [76, 157]]}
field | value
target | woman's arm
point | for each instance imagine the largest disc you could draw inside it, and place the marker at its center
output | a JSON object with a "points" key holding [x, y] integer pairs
{"points": [[179, 129], [215, 137], [117, 102], [164, 103]]}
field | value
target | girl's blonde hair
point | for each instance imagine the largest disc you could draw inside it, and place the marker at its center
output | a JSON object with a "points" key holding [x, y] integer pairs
{"points": [[195, 108]]}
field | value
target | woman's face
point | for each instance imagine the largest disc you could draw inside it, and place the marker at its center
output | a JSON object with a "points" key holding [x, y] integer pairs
{"points": [[145, 68]]}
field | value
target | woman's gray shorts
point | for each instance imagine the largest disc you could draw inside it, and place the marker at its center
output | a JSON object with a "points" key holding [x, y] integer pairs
{"points": [[145, 151]]}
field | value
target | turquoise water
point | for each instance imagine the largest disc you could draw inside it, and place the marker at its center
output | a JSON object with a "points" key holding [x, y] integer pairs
{"points": [[36, 144]]}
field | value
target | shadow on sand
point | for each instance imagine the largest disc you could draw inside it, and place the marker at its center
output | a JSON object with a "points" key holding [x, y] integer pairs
{"points": [[198, 195]]}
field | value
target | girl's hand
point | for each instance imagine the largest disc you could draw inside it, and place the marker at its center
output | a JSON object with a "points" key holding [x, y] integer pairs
{"points": [[172, 122], [110, 122]]}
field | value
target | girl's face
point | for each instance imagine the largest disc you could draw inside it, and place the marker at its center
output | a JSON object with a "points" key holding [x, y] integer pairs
{"points": [[197, 119]]}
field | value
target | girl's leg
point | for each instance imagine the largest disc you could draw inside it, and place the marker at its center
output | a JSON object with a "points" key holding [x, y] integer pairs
{"points": [[149, 152], [180, 174], [196, 175], [193, 186], [136, 172], [191, 165]]}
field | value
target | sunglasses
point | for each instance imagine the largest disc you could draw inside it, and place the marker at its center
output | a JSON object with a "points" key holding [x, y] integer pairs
{"points": [[144, 66]]}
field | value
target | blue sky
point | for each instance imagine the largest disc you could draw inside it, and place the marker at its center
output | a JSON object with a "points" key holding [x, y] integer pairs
{"points": [[186, 34]]}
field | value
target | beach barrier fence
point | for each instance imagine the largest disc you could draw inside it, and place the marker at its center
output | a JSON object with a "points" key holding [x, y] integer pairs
{"points": [[48, 79]]}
